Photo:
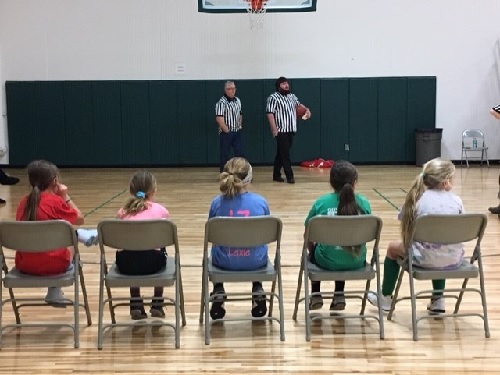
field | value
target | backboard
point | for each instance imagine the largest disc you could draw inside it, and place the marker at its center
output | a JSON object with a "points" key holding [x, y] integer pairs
{"points": [[241, 6]]}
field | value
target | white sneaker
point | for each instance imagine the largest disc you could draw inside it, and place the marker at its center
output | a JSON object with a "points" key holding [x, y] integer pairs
{"points": [[436, 306], [55, 297], [87, 236], [385, 301]]}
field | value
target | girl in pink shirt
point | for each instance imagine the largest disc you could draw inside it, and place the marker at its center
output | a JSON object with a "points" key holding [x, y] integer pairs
{"points": [[140, 206]]}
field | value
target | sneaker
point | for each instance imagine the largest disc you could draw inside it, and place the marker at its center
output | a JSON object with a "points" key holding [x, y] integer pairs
{"points": [[316, 302], [55, 297], [157, 308], [217, 310], [2, 201], [436, 306], [87, 236], [8, 180], [338, 303], [157, 312], [494, 210], [137, 310], [259, 308], [137, 314], [385, 301]]}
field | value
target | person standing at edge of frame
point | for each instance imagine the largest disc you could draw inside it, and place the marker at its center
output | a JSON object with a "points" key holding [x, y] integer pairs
{"points": [[5, 179], [281, 109], [495, 112], [230, 121]]}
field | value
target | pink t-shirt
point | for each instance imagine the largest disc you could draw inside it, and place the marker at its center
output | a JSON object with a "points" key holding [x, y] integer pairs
{"points": [[155, 211]]}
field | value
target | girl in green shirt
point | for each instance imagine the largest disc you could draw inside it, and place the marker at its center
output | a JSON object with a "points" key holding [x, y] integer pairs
{"points": [[343, 201]]}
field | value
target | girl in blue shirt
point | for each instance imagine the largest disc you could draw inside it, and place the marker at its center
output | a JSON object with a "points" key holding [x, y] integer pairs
{"points": [[235, 200]]}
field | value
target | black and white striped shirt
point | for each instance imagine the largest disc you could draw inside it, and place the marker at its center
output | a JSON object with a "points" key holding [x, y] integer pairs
{"points": [[230, 109], [284, 109]]}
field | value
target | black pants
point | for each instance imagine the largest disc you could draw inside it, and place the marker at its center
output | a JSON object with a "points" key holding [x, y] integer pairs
{"points": [[228, 140], [131, 262], [284, 143]]}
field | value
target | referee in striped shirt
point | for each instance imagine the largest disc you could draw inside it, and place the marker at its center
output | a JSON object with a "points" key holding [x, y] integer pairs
{"points": [[281, 111], [230, 119]]}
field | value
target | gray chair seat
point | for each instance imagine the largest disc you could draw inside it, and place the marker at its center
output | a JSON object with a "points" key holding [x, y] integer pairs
{"points": [[17, 279], [466, 270], [219, 275], [317, 273], [166, 277]]}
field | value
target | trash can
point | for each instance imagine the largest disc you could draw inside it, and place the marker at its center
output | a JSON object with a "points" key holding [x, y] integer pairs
{"points": [[428, 145]]}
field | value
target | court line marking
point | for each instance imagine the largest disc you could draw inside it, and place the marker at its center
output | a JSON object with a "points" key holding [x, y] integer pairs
{"points": [[386, 199], [104, 203]]}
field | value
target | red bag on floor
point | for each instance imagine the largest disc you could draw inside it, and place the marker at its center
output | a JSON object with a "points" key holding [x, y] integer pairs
{"points": [[318, 163]]}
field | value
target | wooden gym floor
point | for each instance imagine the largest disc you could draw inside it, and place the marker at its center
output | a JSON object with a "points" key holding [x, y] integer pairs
{"points": [[446, 346]]}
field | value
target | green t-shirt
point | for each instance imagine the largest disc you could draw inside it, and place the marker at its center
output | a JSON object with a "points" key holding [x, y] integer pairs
{"points": [[336, 258]]}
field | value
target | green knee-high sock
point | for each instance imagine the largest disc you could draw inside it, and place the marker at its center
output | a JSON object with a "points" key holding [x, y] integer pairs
{"points": [[391, 273], [438, 284]]}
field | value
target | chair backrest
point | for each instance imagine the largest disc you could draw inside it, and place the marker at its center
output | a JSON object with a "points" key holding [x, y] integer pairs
{"points": [[37, 236], [243, 231], [449, 229], [469, 135], [137, 234], [344, 230]]}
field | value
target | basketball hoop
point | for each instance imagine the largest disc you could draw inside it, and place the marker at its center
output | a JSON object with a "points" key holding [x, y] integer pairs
{"points": [[256, 11]]}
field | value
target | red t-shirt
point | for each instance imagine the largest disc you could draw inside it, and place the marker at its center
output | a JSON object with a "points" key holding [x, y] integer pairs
{"points": [[51, 207]]}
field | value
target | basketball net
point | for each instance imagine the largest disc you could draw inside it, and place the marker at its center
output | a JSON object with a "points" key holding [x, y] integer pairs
{"points": [[256, 11]]}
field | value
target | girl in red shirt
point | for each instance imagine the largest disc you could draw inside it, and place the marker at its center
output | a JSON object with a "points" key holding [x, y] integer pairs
{"points": [[48, 200]]}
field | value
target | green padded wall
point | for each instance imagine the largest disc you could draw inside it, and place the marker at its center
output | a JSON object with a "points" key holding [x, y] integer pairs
{"points": [[363, 102], [20, 99], [392, 104], [334, 117], [163, 118], [106, 116], [78, 122], [172, 123], [50, 126], [192, 130]]}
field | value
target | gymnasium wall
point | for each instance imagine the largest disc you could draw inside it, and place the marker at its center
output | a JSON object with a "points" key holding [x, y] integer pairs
{"points": [[103, 123], [455, 41]]}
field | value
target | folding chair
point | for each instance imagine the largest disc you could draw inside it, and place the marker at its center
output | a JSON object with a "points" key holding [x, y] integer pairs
{"points": [[446, 229], [340, 231], [242, 232], [37, 237], [474, 146], [139, 235]]}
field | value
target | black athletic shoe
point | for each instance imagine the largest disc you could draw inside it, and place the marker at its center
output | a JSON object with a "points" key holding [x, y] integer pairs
{"points": [[8, 180], [494, 210], [156, 310], [217, 310], [259, 308]]}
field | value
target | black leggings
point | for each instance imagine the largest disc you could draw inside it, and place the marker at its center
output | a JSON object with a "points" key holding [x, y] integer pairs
{"points": [[147, 262], [316, 285]]}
